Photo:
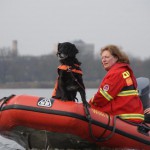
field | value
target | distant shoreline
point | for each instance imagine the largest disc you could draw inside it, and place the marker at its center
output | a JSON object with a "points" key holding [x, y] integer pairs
{"points": [[43, 84]]}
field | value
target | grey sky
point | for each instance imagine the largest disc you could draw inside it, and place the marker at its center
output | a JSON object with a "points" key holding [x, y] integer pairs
{"points": [[39, 24]]}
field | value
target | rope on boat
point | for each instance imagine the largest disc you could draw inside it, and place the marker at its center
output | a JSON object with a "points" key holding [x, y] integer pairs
{"points": [[5, 99], [101, 138], [88, 116], [142, 127]]}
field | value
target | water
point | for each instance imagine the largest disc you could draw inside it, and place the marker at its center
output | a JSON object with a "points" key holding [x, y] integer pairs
{"points": [[39, 92], [7, 144]]}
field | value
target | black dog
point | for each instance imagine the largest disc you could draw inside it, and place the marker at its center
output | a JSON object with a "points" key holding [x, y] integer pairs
{"points": [[69, 80]]}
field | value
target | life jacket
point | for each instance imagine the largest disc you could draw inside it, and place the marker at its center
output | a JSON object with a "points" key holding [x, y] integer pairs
{"points": [[76, 69]]}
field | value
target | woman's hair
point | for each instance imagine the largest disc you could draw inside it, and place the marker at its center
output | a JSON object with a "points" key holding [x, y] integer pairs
{"points": [[116, 52]]}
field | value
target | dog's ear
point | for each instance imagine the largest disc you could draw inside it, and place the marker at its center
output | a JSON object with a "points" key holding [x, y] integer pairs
{"points": [[74, 51], [71, 49]]}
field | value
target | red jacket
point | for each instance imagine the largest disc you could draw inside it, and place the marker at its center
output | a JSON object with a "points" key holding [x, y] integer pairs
{"points": [[118, 95]]}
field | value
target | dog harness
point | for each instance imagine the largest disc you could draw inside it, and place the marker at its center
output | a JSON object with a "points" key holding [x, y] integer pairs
{"points": [[75, 69], [70, 68]]}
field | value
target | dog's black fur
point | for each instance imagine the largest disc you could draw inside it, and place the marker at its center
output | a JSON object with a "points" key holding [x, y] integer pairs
{"points": [[69, 83]]}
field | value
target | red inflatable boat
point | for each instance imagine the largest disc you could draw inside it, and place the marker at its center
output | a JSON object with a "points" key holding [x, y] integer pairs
{"points": [[58, 124]]}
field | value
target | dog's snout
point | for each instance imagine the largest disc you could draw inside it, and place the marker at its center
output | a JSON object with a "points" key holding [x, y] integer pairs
{"points": [[61, 56]]}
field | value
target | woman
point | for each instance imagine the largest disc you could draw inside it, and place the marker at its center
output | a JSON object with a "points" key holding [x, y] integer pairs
{"points": [[117, 94]]}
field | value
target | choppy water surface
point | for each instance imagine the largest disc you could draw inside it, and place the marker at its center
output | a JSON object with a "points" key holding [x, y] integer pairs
{"points": [[7, 144]]}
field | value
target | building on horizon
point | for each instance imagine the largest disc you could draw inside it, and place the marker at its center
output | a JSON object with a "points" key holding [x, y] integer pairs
{"points": [[10, 51], [14, 49], [84, 48]]}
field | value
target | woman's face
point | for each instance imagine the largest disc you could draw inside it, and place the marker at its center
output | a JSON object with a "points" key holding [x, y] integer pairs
{"points": [[108, 60]]}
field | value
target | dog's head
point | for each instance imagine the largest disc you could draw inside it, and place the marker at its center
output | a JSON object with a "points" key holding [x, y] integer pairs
{"points": [[66, 50]]}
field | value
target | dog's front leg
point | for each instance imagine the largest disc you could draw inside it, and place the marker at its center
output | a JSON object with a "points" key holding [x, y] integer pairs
{"points": [[62, 86], [63, 91]]}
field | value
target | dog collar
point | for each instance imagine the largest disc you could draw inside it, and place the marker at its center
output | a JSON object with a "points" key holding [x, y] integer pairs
{"points": [[69, 69]]}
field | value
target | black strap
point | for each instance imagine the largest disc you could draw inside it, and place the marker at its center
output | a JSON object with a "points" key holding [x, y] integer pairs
{"points": [[101, 138], [75, 79], [88, 116], [126, 88]]}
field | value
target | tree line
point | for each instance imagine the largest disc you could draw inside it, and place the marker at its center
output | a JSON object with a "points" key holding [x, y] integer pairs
{"points": [[41, 71]]}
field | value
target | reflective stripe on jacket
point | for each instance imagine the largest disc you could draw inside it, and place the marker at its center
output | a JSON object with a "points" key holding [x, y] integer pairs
{"points": [[132, 116], [122, 93]]}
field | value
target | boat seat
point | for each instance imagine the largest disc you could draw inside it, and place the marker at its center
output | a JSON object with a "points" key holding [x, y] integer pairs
{"points": [[144, 91]]}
